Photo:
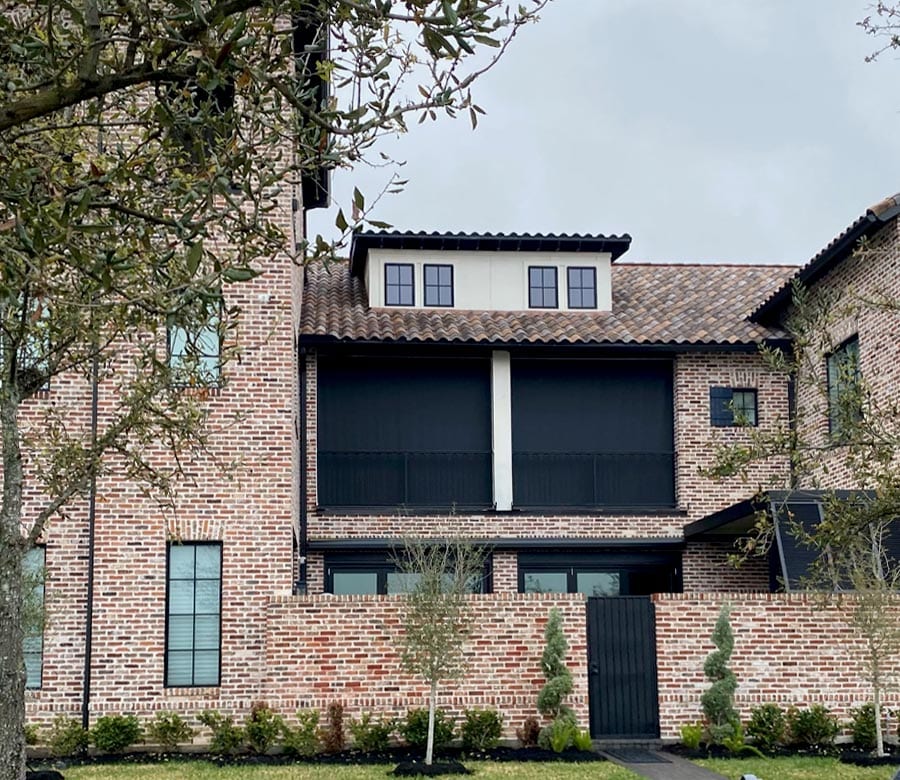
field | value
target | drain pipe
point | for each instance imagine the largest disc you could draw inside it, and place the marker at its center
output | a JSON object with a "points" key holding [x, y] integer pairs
{"points": [[92, 511], [301, 586]]}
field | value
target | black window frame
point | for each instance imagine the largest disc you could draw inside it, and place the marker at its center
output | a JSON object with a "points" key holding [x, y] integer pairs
{"points": [[201, 373], [400, 285], [570, 287], [438, 287], [838, 384], [573, 562], [533, 288], [725, 413], [381, 563], [194, 544], [32, 633]]}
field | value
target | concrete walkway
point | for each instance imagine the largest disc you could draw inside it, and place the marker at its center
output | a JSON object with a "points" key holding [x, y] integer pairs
{"points": [[674, 768]]}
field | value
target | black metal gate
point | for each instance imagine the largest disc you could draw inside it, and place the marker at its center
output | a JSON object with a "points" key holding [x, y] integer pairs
{"points": [[622, 668]]}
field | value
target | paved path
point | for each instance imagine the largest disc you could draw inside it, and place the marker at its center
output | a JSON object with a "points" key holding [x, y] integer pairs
{"points": [[675, 768]]}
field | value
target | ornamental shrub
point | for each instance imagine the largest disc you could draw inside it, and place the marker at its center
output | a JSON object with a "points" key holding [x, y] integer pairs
{"points": [[559, 735], [32, 734], [814, 728], [304, 739], [481, 729], [551, 700], [67, 738], [227, 738], [370, 735], [691, 735], [414, 729], [263, 728], [332, 735], [529, 731], [718, 700], [114, 733], [767, 727], [862, 726], [169, 730]]}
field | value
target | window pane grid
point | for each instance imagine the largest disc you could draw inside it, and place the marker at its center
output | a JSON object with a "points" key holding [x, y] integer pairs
{"points": [[542, 287], [194, 622], [438, 285], [398, 284], [33, 641], [582, 286]]}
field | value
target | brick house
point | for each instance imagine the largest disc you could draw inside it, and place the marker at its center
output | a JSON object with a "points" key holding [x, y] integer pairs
{"points": [[533, 393]]}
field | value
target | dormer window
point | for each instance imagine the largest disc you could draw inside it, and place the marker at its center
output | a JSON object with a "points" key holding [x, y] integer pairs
{"points": [[582, 286], [542, 287], [438, 285], [398, 284]]}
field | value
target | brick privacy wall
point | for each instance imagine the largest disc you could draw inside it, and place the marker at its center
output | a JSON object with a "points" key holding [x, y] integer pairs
{"points": [[249, 511], [851, 293], [787, 649], [321, 649]]}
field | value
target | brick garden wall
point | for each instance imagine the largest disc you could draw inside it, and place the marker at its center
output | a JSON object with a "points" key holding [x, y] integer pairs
{"points": [[321, 649], [787, 650]]}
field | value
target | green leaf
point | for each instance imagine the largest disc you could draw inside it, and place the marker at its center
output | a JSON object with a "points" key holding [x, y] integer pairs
{"points": [[487, 41], [375, 223], [340, 221], [358, 200], [239, 274], [193, 257]]}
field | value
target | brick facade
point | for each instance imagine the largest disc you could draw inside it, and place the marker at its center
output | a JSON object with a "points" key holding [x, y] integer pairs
{"points": [[788, 649]]}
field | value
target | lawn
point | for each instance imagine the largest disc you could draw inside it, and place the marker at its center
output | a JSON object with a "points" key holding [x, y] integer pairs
{"points": [[796, 769], [197, 770]]}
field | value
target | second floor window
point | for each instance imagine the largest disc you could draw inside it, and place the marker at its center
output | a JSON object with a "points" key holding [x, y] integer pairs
{"points": [[195, 354], [730, 406], [844, 400], [542, 287], [438, 285], [582, 287], [398, 284]]}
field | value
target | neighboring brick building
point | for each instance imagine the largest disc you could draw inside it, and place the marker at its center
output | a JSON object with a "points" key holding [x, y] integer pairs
{"points": [[532, 393]]}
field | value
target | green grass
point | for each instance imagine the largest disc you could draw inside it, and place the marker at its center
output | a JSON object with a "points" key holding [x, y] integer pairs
{"points": [[796, 769], [197, 770]]}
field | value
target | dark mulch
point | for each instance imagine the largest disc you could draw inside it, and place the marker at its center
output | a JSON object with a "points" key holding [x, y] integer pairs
{"points": [[436, 768], [44, 774], [865, 758], [847, 754]]}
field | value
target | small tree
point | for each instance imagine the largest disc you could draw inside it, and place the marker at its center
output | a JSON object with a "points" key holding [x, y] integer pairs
{"points": [[551, 701], [436, 615], [718, 700]]}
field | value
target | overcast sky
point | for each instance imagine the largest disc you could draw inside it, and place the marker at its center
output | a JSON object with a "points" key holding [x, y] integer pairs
{"points": [[710, 130]]}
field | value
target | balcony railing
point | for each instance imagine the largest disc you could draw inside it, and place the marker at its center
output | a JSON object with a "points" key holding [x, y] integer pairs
{"points": [[414, 479], [594, 479]]}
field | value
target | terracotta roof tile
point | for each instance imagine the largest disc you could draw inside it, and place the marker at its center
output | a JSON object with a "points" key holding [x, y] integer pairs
{"points": [[652, 304]]}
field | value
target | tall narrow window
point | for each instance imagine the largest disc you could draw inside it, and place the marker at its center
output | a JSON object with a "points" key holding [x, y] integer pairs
{"points": [[844, 401], [33, 644], [195, 353], [193, 614], [582, 288], [542, 287], [398, 284], [438, 285]]}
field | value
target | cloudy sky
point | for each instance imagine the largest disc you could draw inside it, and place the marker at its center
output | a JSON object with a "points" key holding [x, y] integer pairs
{"points": [[710, 130]]}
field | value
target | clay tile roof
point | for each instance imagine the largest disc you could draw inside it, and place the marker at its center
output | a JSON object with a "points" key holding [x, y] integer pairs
{"points": [[652, 304]]}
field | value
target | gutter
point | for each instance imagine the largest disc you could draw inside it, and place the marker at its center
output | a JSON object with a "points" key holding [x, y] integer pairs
{"points": [[301, 587], [92, 515]]}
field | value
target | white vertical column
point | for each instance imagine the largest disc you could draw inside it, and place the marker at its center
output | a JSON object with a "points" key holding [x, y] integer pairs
{"points": [[501, 429]]}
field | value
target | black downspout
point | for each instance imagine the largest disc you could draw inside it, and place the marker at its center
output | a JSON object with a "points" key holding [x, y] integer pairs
{"points": [[92, 507], [301, 587]]}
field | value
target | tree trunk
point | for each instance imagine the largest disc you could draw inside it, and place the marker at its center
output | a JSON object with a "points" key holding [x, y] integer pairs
{"points": [[879, 737], [432, 701], [12, 551]]}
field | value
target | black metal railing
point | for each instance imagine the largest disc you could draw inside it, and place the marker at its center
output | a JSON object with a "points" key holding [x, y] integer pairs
{"points": [[414, 479], [594, 479]]}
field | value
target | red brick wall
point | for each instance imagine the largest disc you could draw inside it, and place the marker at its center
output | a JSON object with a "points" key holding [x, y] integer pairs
{"points": [[707, 568], [321, 649], [787, 649]]}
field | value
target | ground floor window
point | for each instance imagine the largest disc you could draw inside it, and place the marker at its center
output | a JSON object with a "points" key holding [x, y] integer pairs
{"points": [[33, 643], [193, 614], [601, 573], [377, 574]]}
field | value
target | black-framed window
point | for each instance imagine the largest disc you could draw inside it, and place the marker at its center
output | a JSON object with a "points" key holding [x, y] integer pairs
{"points": [[438, 285], [582, 288], [844, 401], [193, 614], [600, 573], [399, 284], [731, 406], [33, 641], [377, 574], [542, 287], [195, 351]]}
